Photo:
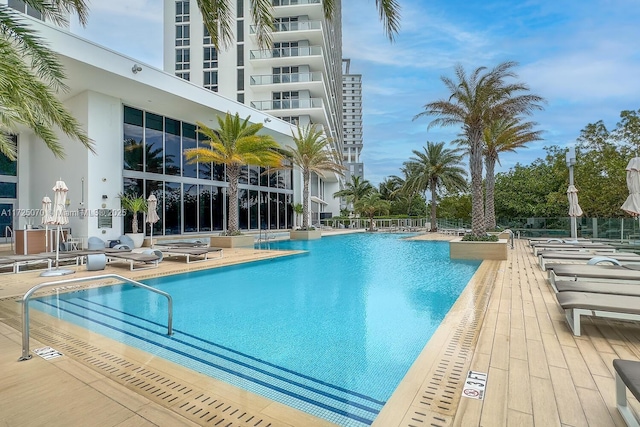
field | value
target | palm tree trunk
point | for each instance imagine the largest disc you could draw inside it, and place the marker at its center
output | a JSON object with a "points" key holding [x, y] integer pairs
{"points": [[490, 182], [434, 226], [233, 172], [305, 199], [475, 164]]}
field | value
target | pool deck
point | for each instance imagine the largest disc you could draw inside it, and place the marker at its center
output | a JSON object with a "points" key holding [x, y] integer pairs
{"points": [[506, 324]]}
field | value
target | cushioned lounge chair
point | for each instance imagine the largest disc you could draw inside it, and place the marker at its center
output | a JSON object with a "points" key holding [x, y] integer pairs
{"points": [[592, 273], [192, 254], [577, 304], [630, 288], [19, 261], [547, 257], [575, 247], [136, 260], [627, 377]]}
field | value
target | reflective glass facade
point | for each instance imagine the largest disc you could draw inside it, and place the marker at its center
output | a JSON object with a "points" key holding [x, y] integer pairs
{"points": [[192, 197]]}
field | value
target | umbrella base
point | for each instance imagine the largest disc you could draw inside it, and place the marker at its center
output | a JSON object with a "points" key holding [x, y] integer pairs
{"points": [[56, 272]]}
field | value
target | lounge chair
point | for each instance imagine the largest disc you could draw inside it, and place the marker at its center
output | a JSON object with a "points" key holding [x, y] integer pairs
{"points": [[182, 244], [200, 254], [136, 260], [19, 261], [576, 247], [577, 304], [630, 288], [592, 273], [545, 257], [627, 377]]}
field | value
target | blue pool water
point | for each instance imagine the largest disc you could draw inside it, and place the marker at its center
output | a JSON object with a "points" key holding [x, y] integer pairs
{"points": [[331, 332]]}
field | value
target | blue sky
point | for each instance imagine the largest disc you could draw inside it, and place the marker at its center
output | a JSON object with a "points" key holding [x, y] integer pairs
{"points": [[580, 55]]}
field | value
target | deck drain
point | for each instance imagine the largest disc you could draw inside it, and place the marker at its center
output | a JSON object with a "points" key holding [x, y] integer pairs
{"points": [[47, 353]]}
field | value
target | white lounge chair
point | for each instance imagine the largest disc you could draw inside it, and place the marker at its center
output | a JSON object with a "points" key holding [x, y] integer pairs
{"points": [[578, 304], [627, 377]]}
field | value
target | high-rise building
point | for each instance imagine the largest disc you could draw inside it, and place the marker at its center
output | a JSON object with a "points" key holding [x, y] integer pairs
{"points": [[298, 79], [352, 119]]}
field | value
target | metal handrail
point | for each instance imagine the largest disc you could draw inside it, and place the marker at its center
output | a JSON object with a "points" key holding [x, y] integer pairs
{"points": [[30, 292]]}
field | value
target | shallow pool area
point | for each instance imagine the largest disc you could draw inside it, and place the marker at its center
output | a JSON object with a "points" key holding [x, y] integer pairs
{"points": [[331, 332]]}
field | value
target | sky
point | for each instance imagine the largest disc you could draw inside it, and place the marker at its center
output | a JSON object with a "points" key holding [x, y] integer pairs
{"points": [[580, 55]]}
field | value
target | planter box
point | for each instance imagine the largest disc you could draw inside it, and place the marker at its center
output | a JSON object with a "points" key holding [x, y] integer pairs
{"points": [[478, 250], [242, 241], [305, 234]]}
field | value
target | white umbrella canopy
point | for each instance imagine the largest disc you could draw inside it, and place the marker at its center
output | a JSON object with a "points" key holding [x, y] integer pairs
{"points": [[59, 216], [632, 204], [152, 214], [574, 207], [46, 210]]}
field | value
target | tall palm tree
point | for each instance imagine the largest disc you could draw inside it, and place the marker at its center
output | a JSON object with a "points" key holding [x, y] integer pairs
{"points": [[31, 74], [234, 144], [355, 190], [504, 134], [311, 153], [433, 169], [371, 204], [475, 101], [219, 18]]}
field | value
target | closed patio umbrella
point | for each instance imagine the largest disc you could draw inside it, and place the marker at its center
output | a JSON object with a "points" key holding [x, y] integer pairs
{"points": [[59, 218], [574, 207], [152, 214], [632, 204]]}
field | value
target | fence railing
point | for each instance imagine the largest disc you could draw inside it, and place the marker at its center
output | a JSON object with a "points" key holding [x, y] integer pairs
{"points": [[622, 229]]}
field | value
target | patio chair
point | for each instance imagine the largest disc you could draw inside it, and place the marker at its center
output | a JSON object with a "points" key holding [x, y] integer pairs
{"points": [[630, 288], [136, 260], [627, 377], [593, 273], [199, 253], [578, 304], [594, 258]]}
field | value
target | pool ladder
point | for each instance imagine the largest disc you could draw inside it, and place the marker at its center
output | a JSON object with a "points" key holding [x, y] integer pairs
{"points": [[30, 292]]}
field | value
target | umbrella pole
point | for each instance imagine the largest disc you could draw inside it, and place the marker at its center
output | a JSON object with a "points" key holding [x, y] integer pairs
{"points": [[151, 236], [58, 245]]}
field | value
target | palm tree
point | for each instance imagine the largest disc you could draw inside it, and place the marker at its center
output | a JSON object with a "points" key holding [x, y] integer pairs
{"points": [[474, 102], [354, 190], [433, 169], [371, 204], [311, 153], [31, 76], [504, 134], [391, 187], [219, 18], [234, 144]]}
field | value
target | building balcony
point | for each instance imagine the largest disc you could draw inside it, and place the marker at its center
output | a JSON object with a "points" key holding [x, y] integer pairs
{"points": [[286, 79], [290, 56], [297, 30], [313, 107], [284, 8]]}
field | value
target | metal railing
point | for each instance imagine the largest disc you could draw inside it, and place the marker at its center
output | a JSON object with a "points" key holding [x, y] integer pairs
{"points": [[292, 26], [293, 2], [269, 79], [285, 52], [30, 292], [287, 104]]}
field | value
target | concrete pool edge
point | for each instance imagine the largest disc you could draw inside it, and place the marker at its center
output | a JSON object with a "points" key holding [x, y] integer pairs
{"points": [[430, 392]]}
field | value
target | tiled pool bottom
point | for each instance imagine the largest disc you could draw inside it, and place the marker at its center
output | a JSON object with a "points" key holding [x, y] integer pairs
{"points": [[341, 371]]}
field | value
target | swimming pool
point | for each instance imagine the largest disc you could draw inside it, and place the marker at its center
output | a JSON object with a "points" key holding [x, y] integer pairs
{"points": [[331, 332]]}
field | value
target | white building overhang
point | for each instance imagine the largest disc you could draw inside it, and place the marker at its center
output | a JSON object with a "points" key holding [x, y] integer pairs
{"points": [[89, 66]]}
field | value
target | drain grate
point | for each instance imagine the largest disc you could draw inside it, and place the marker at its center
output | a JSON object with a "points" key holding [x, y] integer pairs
{"points": [[200, 406], [437, 403]]}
